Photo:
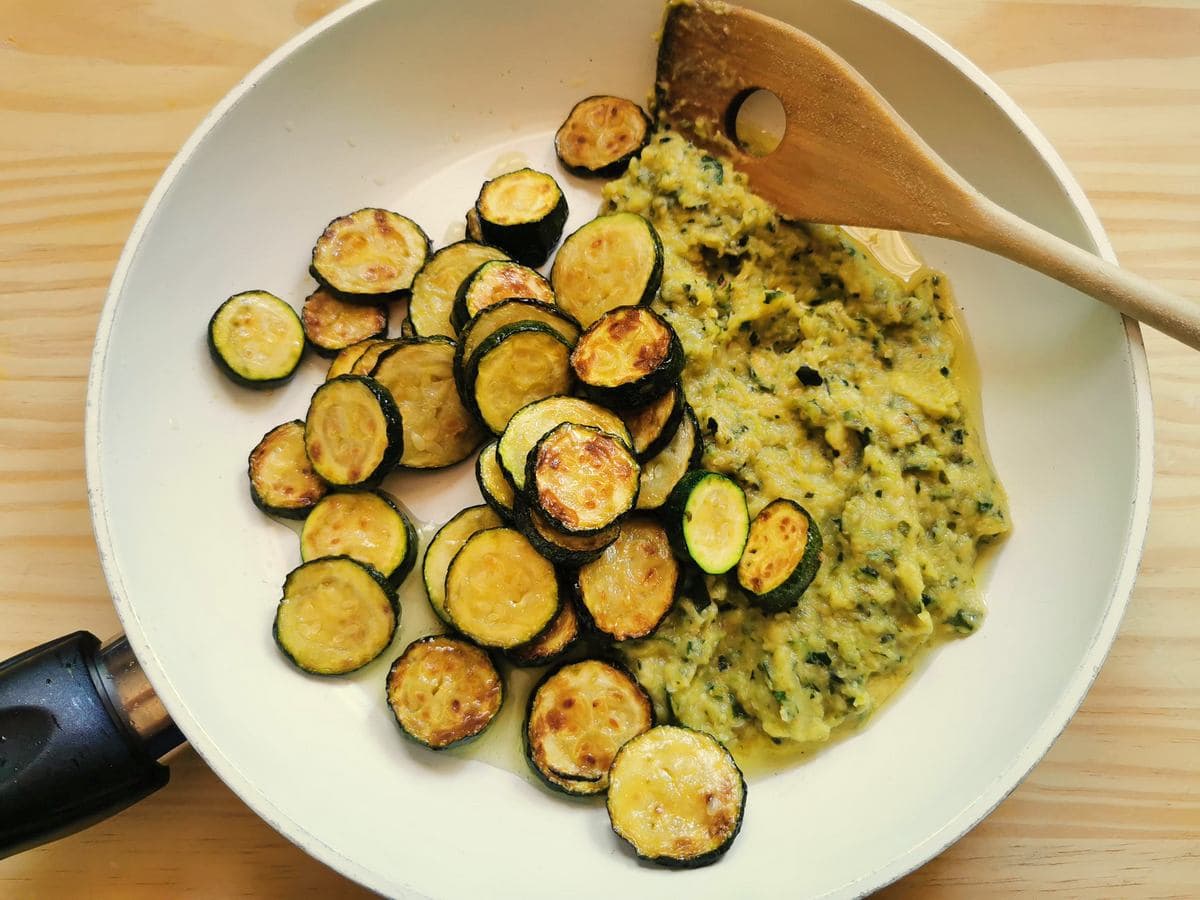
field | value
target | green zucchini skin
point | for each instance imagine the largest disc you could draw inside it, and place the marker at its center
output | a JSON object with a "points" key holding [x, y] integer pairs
{"points": [[787, 594], [394, 429], [552, 645], [529, 243], [526, 284], [564, 550], [683, 529], [471, 388], [508, 312], [218, 353], [640, 386], [495, 488], [608, 165], [299, 506]]}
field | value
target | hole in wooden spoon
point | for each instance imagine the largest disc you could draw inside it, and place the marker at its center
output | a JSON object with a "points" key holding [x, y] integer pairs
{"points": [[756, 121]]}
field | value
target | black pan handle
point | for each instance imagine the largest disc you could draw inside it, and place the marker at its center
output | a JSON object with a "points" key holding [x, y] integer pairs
{"points": [[81, 733]]}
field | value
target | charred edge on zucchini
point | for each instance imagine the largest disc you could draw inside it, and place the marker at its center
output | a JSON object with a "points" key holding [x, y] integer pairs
{"points": [[562, 549], [497, 492], [444, 691], [652, 425], [579, 717], [445, 544], [632, 586], [438, 429], [552, 644], [628, 356], [663, 472], [343, 363], [282, 480], [367, 526], [494, 282], [582, 479], [533, 422], [331, 324], [499, 591], [782, 556], [369, 254], [707, 520], [509, 312], [601, 135], [353, 433], [336, 615], [517, 365], [522, 213], [256, 339], [676, 796], [614, 260], [436, 285]]}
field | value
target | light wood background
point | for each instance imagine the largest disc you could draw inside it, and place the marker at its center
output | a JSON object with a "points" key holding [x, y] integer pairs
{"points": [[95, 98]]}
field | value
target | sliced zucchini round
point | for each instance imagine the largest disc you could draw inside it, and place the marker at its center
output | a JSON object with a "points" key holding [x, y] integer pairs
{"points": [[522, 213], [365, 364], [516, 365], [676, 796], [497, 492], [499, 591], [282, 480], [509, 312], [444, 691], [614, 260], [344, 362], [436, 285], [353, 433], [661, 473], [331, 325], [601, 135], [438, 429], [582, 479], [654, 423], [336, 615], [369, 254], [533, 422], [562, 549], [256, 339], [632, 586], [551, 644], [445, 544], [368, 526], [782, 556], [628, 356], [579, 717], [707, 520], [497, 281]]}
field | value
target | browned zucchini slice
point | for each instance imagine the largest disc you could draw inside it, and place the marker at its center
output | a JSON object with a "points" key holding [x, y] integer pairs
{"points": [[345, 360], [472, 227], [516, 365], [499, 591], [551, 644], [782, 555], [444, 691], [493, 283], [369, 254], [368, 526], [661, 473], [676, 796], [445, 545], [653, 424], [353, 433], [562, 549], [282, 480], [601, 135], [579, 717], [630, 589], [581, 478], [438, 429], [522, 213], [331, 325], [497, 492], [437, 284], [365, 363], [256, 339], [509, 312], [614, 260], [628, 356]]}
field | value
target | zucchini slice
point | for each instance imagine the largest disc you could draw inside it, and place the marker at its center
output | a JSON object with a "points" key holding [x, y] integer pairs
{"points": [[560, 548], [256, 339], [437, 284], [582, 479], [445, 544], [497, 492], [282, 480], [331, 325], [336, 615], [353, 433], [551, 644], [344, 362], [369, 254], [365, 364], [438, 429], [707, 520], [499, 591], [614, 260], [368, 526], [533, 422], [522, 213], [497, 281], [516, 365], [579, 717], [782, 556], [601, 135], [654, 423], [630, 589], [628, 356], [676, 796], [662, 473], [444, 691], [508, 312]]}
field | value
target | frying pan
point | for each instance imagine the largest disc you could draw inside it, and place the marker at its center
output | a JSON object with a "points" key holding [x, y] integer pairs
{"points": [[410, 106]]}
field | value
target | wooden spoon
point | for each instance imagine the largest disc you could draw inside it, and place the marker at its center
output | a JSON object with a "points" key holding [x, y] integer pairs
{"points": [[848, 158]]}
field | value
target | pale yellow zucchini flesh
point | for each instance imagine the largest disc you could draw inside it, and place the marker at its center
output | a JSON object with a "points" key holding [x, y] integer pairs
{"points": [[351, 431], [632, 586], [437, 284], [531, 423], [363, 525], [661, 473], [445, 544], [345, 360], [282, 480], [583, 479], [331, 325], [369, 253], [515, 368], [444, 691], [552, 643]]}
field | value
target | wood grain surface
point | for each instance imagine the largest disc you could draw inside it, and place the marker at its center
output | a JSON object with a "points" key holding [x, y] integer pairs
{"points": [[95, 98]]}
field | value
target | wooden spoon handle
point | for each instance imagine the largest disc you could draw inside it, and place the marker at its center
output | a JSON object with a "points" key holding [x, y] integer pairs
{"points": [[1000, 231]]}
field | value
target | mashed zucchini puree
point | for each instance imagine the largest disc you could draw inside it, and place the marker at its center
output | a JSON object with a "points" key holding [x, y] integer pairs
{"points": [[816, 375]]}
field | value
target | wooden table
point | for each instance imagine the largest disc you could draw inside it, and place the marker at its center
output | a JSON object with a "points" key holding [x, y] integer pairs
{"points": [[95, 98]]}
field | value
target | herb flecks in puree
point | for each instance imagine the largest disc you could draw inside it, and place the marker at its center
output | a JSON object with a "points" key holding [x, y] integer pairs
{"points": [[819, 376]]}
